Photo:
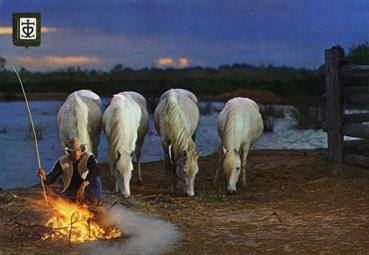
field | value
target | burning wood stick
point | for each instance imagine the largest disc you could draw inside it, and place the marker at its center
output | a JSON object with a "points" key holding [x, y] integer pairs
{"points": [[39, 226], [113, 204], [89, 228], [34, 136], [70, 230]]}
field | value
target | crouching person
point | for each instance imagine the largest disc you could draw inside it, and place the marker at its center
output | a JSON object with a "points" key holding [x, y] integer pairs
{"points": [[80, 174]]}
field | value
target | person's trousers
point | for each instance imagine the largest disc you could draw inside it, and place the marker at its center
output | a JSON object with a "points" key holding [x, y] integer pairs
{"points": [[93, 191]]}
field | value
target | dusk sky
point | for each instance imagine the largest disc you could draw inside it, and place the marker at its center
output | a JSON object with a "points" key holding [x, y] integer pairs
{"points": [[179, 33]]}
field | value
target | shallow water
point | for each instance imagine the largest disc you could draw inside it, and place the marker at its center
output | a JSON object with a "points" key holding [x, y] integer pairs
{"points": [[18, 159]]}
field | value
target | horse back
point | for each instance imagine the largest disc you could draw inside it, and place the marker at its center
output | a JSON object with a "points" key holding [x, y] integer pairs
{"points": [[177, 108], [240, 121]]}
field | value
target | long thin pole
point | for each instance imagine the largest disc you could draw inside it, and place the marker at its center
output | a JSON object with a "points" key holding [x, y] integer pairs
{"points": [[34, 135]]}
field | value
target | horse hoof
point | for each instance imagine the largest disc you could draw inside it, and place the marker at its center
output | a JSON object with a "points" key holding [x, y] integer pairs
{"points": [[231, 191]]}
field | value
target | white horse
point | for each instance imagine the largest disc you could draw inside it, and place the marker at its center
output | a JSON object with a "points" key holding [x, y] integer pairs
{"points": [[176, 119], [125, 123], [239, 126], [80, 116]]}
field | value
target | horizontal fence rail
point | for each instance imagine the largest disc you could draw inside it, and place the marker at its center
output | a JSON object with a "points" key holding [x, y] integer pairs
{"points": [[356, 160], [356, 117], [355, 98], [354, 71], [356, 130], [356, 145]]}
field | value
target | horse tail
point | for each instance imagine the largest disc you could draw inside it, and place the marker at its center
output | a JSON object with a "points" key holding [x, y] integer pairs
{"points": [[115, 126], [81, 112]]}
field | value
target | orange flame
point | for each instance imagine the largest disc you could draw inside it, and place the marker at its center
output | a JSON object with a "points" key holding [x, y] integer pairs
{"points": [[75, 223]]}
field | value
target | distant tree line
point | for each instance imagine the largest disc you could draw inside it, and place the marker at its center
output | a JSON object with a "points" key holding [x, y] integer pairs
{"points": [[359, 55], [207, 81], [204, 81]]}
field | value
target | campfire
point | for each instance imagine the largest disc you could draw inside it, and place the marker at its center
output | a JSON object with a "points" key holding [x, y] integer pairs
{"points": [[77, 222], [73, 222]]}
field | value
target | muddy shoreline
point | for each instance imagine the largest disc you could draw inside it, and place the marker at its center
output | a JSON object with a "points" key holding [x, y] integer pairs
{"points": [[291, 206]]}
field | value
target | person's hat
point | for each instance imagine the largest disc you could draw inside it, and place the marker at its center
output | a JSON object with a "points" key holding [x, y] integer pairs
{"points": [[74, 144]]}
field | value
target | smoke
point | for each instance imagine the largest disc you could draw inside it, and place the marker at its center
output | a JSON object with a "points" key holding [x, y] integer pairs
{"points": [[146, 234]]}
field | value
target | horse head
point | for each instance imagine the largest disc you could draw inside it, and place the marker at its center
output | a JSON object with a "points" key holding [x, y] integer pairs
{"points": [[187, 168], [232, 168], [122, 171]]}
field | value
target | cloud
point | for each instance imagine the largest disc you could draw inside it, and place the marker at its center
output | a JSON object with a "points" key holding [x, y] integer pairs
{"points": [[183, 62], [48, 29], [165, 62], [6, 30], [9, 30], [57, 61], [170, 62]]}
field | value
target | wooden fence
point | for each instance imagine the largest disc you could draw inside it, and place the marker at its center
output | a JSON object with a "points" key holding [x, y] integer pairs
{"points": [[337, 124]]}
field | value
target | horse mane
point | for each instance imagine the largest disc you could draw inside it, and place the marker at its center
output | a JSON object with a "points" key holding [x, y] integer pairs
{"points": [[238, 107], [82, 122], [138, 98], [229, 126], [184, 92], [88, 94], [80, 116], [173, 121], [116, 127]]}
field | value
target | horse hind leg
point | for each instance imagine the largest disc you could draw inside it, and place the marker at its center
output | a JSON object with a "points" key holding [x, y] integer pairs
{"points": [[218, 167], [171, 184], [121, 184], [245, 151], [216, 175], [172, 180], [168, 172], [117, 184], [138, 158]]}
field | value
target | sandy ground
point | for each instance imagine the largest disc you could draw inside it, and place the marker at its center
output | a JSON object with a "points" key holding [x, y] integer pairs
{"points": [[291, 206]]}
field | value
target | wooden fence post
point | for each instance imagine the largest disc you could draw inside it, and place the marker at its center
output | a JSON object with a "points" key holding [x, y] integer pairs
{"points": [[334, 57]]}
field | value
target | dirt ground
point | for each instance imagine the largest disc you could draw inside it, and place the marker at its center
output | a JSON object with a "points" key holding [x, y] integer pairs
{"points": [[291, 206]]}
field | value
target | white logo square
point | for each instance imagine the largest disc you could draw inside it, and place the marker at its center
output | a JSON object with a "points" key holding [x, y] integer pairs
{"points": [[27, 28]]}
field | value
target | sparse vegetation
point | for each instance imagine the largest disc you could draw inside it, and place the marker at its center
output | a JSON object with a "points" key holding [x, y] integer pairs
{"points": [[359, 54], [308, 117], [39, 129], [272, 111], [269, 113], [268, 124], [207, 108]]}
